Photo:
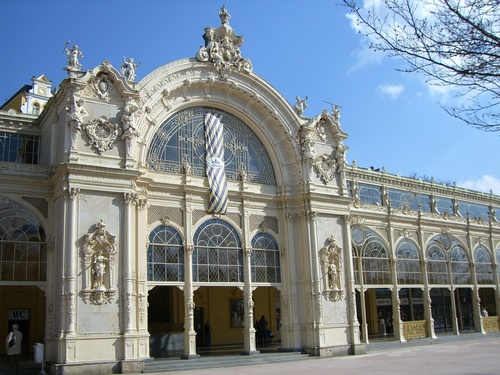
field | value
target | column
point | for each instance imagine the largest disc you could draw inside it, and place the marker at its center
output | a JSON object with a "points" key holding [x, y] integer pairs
{"points": [[428, 307], [141, 268], [351, 290], [476, 300], [454, 316], [71, 261], [397, 323], [364, 325], [427, 289], [249, 332], [127, 271], [189, 331]]}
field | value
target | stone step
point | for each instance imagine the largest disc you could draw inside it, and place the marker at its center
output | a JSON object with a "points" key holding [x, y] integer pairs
{"points": [[217, 361]]}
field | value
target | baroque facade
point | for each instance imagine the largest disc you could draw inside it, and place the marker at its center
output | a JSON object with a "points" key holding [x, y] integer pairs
{"points": [[134, 212]]}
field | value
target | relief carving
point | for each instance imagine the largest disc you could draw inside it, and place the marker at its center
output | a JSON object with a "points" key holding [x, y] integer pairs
{"points": [[102, 133], [325, 168]]}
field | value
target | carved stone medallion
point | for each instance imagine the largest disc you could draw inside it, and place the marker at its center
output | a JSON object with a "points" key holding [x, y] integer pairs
{"points": [[102, 134]]}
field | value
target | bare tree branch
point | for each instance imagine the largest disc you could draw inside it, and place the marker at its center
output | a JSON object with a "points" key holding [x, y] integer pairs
{"points": [[455, 43]]}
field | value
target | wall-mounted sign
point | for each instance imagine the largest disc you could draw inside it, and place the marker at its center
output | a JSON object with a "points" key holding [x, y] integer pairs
{"points": [[19, 314]]}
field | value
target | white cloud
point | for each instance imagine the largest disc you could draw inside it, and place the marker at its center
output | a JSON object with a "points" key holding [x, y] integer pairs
{"points": [[485, 184], [392, 90], [366, 57]]}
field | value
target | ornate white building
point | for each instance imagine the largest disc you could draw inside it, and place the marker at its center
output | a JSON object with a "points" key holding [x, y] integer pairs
{"points": [[133, 212]]}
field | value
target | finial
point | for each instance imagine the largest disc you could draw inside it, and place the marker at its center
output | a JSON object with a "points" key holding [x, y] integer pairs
{"points": [[224, 15]]}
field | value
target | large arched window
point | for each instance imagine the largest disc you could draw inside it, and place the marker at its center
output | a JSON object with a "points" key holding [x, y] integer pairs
{"points": [[265, 259], [437, 266], [23, 247], [460, 265], [484, 267], [217, 253], [165, 255], [442, 249], [180, 141], [408, 268], [375, 264]]}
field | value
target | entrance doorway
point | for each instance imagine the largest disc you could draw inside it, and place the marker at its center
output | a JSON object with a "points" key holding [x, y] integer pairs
{"points": [[441, 309], [165, 321], [487, 297], [25, 306], [465, 314], [379, 312]]}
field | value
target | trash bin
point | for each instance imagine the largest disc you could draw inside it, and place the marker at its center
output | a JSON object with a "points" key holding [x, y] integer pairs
{"points": [[38, 350]]}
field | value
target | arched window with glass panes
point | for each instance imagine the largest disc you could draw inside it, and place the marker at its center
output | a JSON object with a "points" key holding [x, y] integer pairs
{"points": [[409, 270], [484, 266], [165, 255], [23, 247], [265, 259], [445, 252], [180, 142], [370, 257], [217, 254]]}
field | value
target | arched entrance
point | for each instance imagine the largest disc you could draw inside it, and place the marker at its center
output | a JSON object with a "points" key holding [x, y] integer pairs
{"points": [[23, 273]]}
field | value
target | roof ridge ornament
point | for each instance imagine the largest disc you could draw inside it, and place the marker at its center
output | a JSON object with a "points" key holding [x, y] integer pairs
{"points": [[222, 48]]}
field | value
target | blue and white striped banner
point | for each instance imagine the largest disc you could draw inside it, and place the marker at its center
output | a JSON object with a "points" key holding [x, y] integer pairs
{"points": [[214, 152]]}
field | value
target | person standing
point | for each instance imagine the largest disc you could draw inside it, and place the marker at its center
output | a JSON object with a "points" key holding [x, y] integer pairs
{"points": [[484, 312], [13, 344], [208, 333], [262, 330]]}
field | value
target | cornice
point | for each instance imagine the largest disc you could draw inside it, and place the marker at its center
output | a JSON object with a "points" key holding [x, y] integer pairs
{"points": [[24, 170], [13, 121], [382, 178]]}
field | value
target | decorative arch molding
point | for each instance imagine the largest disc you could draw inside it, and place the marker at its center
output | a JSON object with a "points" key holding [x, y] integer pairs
{"points": [[186, 83]]}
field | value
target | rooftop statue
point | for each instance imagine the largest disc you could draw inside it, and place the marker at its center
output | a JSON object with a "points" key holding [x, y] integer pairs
{"points": [[128, 68], [73, 54], [300, 105], [222, 48]]}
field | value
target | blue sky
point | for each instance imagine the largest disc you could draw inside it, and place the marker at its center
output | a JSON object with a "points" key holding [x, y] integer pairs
{"points": [[302, 48]]}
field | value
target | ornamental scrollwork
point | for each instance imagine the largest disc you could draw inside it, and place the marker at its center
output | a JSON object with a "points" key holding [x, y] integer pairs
{"points": [[102, 133], [325, 168]]}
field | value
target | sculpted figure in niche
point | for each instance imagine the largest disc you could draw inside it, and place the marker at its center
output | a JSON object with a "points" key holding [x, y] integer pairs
{"points": [[300, 105], [73, 55], [331, 257], [128, 68], [99, 270]]}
